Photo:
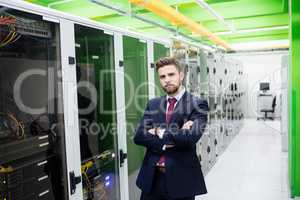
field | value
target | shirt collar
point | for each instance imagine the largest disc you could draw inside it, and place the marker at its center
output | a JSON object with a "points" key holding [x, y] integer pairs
{"points": [[179, 95]]}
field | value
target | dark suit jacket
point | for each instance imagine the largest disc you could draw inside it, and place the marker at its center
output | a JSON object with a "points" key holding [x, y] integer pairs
{"points": [[183, 171]]}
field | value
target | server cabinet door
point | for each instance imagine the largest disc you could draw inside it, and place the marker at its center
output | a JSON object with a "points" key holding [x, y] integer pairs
{"points": [[136, 97], [97, 113], [32, 128], [69, 109]]}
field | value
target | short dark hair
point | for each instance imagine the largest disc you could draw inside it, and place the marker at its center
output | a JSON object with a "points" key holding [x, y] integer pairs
{"points": [[168, 61]]}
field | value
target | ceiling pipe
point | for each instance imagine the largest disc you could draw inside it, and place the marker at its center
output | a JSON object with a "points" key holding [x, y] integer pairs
{"points": [[178, 19], [172, 30], [220, 18]]}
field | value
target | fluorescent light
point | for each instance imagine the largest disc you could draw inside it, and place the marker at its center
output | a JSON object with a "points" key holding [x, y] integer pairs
{"points": [[205, 6], [273, 44], [58, 3], [252, 30]]}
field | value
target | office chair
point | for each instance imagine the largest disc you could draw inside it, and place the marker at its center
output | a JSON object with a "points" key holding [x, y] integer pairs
{"points": [[266, 111]]}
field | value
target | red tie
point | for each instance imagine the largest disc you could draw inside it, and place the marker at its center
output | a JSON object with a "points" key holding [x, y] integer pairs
{"points": [[172, 102]]}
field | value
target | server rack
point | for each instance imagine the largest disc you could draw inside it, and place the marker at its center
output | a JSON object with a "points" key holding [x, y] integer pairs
{"points": [[54, 163]]}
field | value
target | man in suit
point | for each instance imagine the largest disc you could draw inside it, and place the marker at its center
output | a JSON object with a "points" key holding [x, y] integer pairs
{"points": [[170, 129]]}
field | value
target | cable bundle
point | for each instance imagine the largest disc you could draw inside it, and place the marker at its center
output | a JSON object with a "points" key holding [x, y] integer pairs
{"points": [[12, 35], [10, 122]]}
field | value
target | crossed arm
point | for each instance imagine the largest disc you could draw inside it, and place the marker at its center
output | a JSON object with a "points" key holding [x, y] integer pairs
{"points": [[156, 139], [160, 132]]}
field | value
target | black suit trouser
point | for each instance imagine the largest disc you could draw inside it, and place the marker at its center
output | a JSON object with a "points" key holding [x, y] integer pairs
{"points": [[159, 191]]}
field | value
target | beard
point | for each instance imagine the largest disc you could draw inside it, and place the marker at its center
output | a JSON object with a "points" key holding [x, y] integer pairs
{"points": [[171, 89]]}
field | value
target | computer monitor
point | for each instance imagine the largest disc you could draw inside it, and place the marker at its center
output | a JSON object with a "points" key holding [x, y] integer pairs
{"points": [[264, 86]]}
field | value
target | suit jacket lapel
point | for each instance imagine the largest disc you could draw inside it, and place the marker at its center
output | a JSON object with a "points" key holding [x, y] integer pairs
{"points": [[162, 110]]}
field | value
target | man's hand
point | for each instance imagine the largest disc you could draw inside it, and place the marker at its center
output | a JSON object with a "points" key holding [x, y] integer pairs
{"points": [[187, 125], [152, 131], [156, 131], [169, 146]]}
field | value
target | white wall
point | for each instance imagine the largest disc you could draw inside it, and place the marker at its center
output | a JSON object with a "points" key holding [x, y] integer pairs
{"points": [[284, 103], [261, 67]]}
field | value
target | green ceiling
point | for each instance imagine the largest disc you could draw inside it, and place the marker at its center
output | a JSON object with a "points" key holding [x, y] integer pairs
{"points": [[242, 14]]}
